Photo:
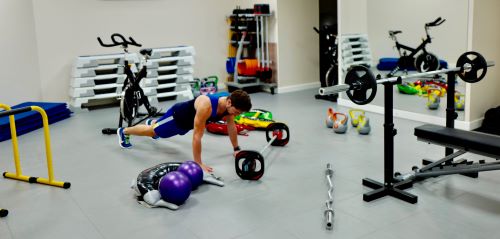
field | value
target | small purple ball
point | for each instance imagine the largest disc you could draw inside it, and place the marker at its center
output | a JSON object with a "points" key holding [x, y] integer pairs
{"points": [[174, 187], [193, 171]]}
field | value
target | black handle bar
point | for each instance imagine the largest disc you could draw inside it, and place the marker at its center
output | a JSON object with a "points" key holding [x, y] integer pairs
{"points": [[121, 41], [316, 29], [435, 23]]}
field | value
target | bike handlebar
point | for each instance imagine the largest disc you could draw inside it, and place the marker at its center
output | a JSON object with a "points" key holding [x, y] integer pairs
{"points": [[120, 42], [435, 23]]}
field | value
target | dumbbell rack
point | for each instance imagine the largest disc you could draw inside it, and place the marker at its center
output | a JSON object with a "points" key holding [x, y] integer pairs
{"points": [[355, 51], [245, 50], [97, 80]]}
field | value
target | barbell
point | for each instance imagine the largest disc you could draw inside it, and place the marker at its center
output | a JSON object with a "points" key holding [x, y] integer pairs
{"points": [[249, 164], [361, 85]]}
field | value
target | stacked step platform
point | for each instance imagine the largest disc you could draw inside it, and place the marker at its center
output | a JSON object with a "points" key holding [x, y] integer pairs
{"points": [[97, 80], [355, 51], [170, 71]]}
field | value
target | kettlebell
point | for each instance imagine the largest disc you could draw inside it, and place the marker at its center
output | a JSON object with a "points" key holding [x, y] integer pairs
{"points": [[339, 122], [433, 98], [360, 121], [355, 113], [363, 125], [459, 101]]}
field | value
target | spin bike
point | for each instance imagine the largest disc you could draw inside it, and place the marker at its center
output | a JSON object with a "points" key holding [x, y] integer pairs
{"points": [[132, 96], [331, 53], [424, 62]]}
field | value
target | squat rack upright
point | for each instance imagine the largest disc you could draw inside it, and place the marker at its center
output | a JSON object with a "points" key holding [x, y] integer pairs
{"points": [[359, 80]]}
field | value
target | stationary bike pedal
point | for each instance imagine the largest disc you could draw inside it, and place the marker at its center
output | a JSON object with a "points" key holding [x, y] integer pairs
{"points": [[152, 110], [155, 112]]}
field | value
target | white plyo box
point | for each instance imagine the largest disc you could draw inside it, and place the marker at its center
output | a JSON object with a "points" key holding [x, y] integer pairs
{"points": [[356, 52], [95, 90], [78, 102], [98, 70], [169, 70], [170, 61], [98, 80], [152, 82], [172, 51]]}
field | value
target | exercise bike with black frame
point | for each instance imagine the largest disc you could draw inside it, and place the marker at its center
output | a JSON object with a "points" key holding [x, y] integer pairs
{"points": [[331, 55], [425, 61], [132, 96]]}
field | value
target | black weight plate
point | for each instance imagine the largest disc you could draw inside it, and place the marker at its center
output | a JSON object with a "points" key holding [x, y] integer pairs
{"points": [[478, 64], [426, 62], [361, 81], [246, 164], [279, 129]]}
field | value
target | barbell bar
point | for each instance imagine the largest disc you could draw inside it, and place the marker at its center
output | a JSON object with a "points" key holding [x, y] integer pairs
{"points": [[359, 79], [329, 213], [249, 164]]}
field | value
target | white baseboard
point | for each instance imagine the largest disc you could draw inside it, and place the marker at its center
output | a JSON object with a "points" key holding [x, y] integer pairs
{"points": [[476, 123], [459, 124], [293, 88]]}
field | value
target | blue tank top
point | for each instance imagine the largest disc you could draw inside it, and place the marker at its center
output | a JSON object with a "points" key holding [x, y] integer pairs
{"points": [[184, 112]]}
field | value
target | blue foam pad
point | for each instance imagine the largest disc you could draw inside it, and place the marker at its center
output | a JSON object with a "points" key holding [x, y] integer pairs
{"points": [[50, 108], [29, 121], [5, 133], [389, 63], [35, 119]]}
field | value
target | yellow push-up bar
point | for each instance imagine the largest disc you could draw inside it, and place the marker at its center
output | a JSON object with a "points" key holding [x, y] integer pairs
{"points": [[19, 175]]}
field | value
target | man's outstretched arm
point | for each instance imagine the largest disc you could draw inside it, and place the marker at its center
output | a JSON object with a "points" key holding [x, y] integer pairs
{"points": [[203, 110], [232, 132]]}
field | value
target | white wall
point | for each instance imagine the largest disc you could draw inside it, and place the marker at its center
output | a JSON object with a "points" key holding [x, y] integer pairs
{"points": [[486, 40], [449, 40], [298, 46], [353, 16], [50, 34], [66, 29], [19, 79]]}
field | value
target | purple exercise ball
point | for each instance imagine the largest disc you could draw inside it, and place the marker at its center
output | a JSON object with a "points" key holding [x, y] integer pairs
{"points": [[174, 187], [193, 171]]}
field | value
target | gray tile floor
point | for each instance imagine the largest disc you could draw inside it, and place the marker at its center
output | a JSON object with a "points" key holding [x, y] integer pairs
{"points": [[288, 202]]}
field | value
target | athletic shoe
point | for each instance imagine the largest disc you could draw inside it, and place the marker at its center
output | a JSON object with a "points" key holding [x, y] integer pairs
{"points": [[123, 139], [150, 122]]}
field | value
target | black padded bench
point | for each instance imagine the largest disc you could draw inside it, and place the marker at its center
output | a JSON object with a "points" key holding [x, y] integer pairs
{"points": [[475, 142]]}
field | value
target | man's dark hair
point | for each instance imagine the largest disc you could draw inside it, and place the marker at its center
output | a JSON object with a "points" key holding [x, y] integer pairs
{"points": [[241, 100]]}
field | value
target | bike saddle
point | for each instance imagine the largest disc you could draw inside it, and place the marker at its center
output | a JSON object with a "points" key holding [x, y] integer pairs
{"points": [[392, 33], [146, 51]]}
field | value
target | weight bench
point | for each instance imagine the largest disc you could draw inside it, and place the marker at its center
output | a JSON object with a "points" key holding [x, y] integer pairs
{"points": [[474, 142], [465, 141]]}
